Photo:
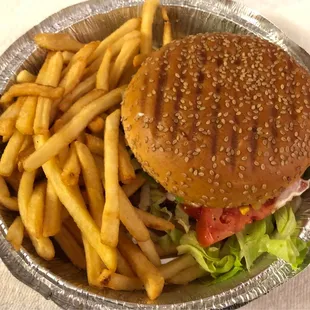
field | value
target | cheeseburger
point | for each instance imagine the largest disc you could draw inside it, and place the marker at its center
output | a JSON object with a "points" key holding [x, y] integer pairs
{"points": [[221, 122]]}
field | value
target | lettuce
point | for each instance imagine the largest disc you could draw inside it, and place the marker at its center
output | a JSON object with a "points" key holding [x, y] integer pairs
{"points": [[182, 218], [280, 240], [208, 258]]}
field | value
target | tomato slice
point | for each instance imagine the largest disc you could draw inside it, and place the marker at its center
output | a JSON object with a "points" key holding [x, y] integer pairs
{"points": [[215, 224]]}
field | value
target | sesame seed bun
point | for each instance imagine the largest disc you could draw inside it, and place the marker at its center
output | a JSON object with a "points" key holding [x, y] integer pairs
{"points": [[221, 120]]}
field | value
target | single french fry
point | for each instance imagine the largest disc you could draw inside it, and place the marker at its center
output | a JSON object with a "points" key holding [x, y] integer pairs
{"points": [[100, 166], [127, 27], [92, 181], [111, 213], [123, 267], [129, 49], [52, 212], [130, 218], [83, 54], [43, 71], [145, 270], [58, 42], [71, 248], [10, 154], [132, 187], [119, 282], [148, 13], [167, 252], [167, 35], [73, 76], [96, 125], [94, 264], [43, 246], [63, 156], [80, 90], [31, 89], [25, 76], [138, 60], [102, 77], [9, 202], [153, 221], [67, 56], [6, 138], [95, 144], [72, 169], [126, 171], [149, 250], [36, 211], [72, 129], [80, 104], [172, 268], [71, 198], [9, 116], [4, 191], [188, 275], [44, 105], [15, 233], [73, 229], [24, 195]]}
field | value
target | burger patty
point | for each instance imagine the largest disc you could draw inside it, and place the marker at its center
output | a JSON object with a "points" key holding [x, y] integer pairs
{"points": [[221, 120]]}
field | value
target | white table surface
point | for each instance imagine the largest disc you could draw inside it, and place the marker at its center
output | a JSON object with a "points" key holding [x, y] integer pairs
{"points": [[18, 16]]}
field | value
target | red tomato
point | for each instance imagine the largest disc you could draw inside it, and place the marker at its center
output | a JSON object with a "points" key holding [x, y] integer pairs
{"points": [[214, 225]]}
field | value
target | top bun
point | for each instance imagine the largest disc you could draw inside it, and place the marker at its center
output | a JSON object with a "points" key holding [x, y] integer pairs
{"points": [[221, 120]]}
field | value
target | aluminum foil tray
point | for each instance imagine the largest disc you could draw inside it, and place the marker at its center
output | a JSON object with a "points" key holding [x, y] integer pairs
{"points": [[58, 280]]}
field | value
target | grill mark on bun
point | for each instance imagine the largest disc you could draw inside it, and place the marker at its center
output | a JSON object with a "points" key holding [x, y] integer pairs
{"points": [[201, 58], [144, 90], [161, 85]]}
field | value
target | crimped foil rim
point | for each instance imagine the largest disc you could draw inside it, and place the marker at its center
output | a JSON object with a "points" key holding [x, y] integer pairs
{"points": [[69, 296]]}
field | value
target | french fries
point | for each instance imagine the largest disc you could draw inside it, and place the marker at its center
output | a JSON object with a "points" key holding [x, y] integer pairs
{"points": [[131, 220], [145, 270], [80, 90], [72, 129], [9, 116], [73, 229], [58, 42], [123, 267], [103, 74], [172, 268], [111, 213], [167, 35], [92, 182], [126, 171], [71, 248], [95, 144], [43, 246], [148, 13], [96, 125], [187, 275], [149, 250], [167, 252], [25, 76], [80, 104], [44, 105], [31, 89], [67, 56], [153, 221], [119, 282], [72, 200], [128, 51], [10, 154], [36, 211], [15, 233], [127, 27], [52, 212], [132, 187], [71, 170], [9, 202], [4, 191]]}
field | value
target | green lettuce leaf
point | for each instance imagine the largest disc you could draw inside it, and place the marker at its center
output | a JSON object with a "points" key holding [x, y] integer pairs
{"points": [[182, 218]]}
